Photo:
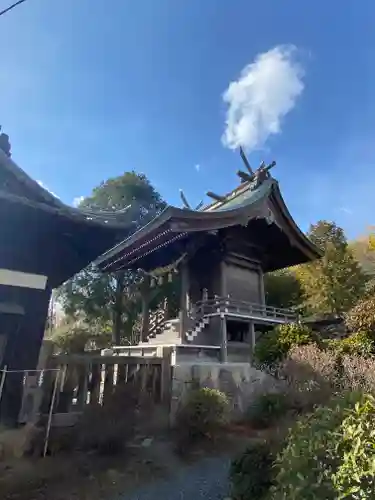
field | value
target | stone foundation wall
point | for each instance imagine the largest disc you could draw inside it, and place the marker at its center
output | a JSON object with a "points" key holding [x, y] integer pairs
{"points": [[241, 382]]}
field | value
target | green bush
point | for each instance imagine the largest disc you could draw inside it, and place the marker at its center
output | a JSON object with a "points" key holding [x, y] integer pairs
{"points": [[360, 344], [273, 346], [355, 476], [267, 409], [362, 316], [327, 453], [203, 413], [251, 473]]}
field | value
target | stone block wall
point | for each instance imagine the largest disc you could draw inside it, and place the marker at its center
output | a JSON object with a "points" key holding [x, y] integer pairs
{"points": [[241, 382]]}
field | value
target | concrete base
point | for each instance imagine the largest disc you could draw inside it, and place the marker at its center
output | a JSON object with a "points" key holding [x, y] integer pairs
{"points": [[241, 382]]}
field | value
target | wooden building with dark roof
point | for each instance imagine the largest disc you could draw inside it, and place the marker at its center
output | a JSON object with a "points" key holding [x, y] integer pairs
{"points": [[43, 242], [222, 252]]}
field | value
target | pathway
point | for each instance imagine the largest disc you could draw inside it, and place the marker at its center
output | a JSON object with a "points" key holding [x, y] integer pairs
{"points": [[207, 479]]}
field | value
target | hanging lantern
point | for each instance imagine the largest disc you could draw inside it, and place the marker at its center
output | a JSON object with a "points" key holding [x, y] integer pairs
{"points": [[170, 277], [152, 283], [160, 280]]}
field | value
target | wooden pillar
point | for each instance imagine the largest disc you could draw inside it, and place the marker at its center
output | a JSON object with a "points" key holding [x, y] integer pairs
{"points": [[261, 288], [184, 300], [145, 300], [118, 309], [224, 339], [252, 335], [145, 314], [145, 319]]}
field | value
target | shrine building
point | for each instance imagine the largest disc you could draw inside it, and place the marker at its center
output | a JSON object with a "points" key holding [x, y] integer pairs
{"points": [[221, 253]]}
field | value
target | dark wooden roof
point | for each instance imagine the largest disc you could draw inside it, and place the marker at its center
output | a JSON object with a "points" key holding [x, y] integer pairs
{"points": [[17, 186], [42, 235], [241, 207]]}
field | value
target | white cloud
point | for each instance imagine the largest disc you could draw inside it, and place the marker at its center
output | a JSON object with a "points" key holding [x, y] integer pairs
{"points": [[47, 189], [265, 92], [197, 167], [78, 200]]}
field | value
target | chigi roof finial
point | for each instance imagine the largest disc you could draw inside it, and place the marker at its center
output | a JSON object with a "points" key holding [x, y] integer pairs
{"points": [[257, 177], [5, 143]]}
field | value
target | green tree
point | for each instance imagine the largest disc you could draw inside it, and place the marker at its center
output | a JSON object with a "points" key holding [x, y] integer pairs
{"points": [[324, 233], [129, 189], [283, 289], [334, 283], [100, 297], [371, 241], [363, 250]]}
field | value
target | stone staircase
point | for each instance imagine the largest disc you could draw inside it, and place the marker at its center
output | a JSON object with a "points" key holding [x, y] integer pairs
{"points": [[197, 328], [168, 334]]}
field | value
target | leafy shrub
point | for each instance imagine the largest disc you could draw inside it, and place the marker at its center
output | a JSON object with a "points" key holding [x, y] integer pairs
{"points": [[267, 408], [360, 343], [311, 375], [358, 373], [362, 316], [203, 413], [251, 473], [355, 476], [315, 364], [311, 464], [273, 346]]}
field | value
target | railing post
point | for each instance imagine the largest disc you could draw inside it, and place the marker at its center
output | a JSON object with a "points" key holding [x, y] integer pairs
{"points": [[184, 299], [83, 375]]}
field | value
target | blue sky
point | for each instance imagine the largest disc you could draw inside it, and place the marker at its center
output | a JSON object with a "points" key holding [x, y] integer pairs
{"points": [[89, 89]]}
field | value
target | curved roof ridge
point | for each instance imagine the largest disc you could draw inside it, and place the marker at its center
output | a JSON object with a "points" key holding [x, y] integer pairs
{"points": [[47, 198], [294, 226]]}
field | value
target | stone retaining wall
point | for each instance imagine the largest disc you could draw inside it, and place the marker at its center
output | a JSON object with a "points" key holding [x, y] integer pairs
{"points": [[241, 382]]}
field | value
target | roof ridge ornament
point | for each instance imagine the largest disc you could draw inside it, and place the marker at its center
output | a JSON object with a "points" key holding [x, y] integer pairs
{"points": [[5, 143], [256, 178], [187, 205], [246, 161]]}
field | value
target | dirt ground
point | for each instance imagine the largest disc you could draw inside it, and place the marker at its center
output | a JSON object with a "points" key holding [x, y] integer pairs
{"points": [[78, 476]]}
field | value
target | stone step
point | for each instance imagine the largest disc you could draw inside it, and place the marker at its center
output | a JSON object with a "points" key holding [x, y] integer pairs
{"points": [[170, 335]]}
